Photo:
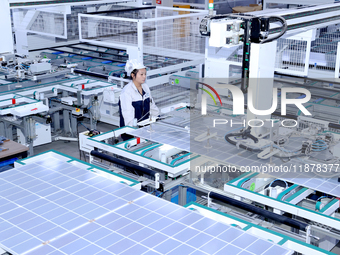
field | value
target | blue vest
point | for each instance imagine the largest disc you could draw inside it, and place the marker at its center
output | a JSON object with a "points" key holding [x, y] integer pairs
{"points": [[142, 110]]}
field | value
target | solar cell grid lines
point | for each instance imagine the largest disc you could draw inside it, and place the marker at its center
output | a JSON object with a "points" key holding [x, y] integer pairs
{"points": [[164, 135], [54, 207], [314, 180], [228, 154]]}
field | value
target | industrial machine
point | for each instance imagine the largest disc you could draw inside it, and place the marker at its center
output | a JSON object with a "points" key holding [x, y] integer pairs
{"points": [[278, 171], [236, 179], [254, 183], [69, 49]]}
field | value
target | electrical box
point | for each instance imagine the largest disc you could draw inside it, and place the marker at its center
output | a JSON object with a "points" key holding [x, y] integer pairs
{"points": [[226, 33], [181, 81], [8, 58], [40, 68], [192, 74], [43, 134]]}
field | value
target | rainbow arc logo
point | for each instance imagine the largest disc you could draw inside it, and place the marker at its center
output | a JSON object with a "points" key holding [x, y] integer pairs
{"points": [[204, 98], [209, 93]]}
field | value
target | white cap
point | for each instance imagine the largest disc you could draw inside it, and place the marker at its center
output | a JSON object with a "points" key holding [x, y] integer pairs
{"points": [[132, 65]]}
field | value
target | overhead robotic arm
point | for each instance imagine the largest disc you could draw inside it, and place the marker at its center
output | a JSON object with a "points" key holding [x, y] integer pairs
{"points": [[236, 29], [258, 34]]}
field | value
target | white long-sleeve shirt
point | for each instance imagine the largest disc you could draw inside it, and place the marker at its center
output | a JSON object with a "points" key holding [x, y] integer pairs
{"points": [[134, 105]]}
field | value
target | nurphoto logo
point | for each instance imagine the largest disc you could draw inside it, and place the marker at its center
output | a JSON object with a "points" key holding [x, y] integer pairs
{"points": [[238, 100]]}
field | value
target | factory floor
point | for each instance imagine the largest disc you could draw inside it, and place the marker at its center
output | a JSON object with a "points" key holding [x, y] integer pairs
{"points": [[71, 148], [336, 249]]}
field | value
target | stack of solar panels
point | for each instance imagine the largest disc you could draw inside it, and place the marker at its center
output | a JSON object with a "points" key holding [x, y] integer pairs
{"points": [[53, 207]]}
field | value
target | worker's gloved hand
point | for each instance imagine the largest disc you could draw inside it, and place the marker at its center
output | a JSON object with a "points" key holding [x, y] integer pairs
{"points": [[158, 117], [161, 117]]}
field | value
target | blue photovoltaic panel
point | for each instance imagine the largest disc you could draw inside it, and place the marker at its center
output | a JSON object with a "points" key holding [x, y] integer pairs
{"points": [[54, 207], [313, 176], [314, 180]]}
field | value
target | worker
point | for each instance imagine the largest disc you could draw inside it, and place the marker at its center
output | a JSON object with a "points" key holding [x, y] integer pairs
{"points": [[135, 102]]}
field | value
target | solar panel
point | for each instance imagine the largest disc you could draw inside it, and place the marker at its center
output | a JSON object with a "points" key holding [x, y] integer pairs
{"points": [[165, 135], [314, 181], [54, 207], [224, 152]]}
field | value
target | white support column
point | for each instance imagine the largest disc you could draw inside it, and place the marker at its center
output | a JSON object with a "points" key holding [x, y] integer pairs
{"points": [[157, 29], [21, 42], [337, 62], [140, 40], [309, 45], [6, 44], [20, 34], [79, 28], [262, 66], [21, 24], [264, 4]]}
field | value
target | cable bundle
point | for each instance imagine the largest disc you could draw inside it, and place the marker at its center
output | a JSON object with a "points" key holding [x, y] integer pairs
{"points": [[319, 145]]}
